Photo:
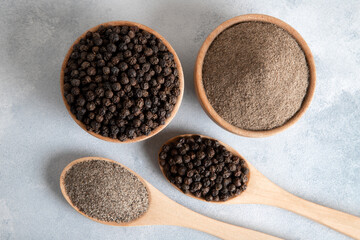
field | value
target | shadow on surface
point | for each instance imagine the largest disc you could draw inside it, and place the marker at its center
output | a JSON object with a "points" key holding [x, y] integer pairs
{"points": [[55, 166]]}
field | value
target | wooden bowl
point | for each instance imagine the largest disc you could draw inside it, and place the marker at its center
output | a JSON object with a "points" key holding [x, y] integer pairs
{"points": [[200, 90], [180, 76]]}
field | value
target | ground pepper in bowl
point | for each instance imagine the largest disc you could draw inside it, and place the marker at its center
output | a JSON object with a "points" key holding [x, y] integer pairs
{"points": [[121, 82], [255, 75]]}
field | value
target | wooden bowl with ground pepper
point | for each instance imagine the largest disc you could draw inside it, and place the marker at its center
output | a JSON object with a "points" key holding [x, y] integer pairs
{"points": [[122, 82], [255, 75]]}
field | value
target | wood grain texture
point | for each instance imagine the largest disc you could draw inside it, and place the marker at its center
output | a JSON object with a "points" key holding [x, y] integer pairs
{"points": [[200, 90], [164, 211], [178, 66], [260, 190]]}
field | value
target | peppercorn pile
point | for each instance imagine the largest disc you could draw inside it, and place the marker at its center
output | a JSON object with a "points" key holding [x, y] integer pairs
{"points": [[121, 82], [204, 168]]}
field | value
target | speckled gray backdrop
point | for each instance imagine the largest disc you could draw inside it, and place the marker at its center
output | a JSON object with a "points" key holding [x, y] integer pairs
{"points": [[317, 158]]}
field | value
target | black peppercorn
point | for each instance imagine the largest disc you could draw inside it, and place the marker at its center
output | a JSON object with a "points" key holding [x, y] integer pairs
{"points": [[190, 173], [90, 106], [214, 192], [91, 71], [163, 155], [106, 70], [75, 82], [209, 198], [99, 118], [111, 47], [106, 102], [178, 159], [226, 181], [213, 176], [70, 98], [109, 94], [186, 158], [188, 180], [116, 86], [200, 155], [162, 162], [197, 177], [185, 188], [178, 179], [237, 182], [182, 171], [231, 187], [244, 178], [148, 52], [196, 186], [166, 148], [98, 41], [91, 115], [112, 108], [226, 174], [131, 73], [75, 91]]}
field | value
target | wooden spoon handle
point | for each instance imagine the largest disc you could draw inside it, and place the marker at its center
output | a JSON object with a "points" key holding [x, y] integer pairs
{"points": [[220, 229], [262, 191], [339, 221], [164, 211]]}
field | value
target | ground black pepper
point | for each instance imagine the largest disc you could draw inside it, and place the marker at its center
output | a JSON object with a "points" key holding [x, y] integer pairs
{"points": [[204, 168], [255, 75], [106, 191], [116, 76]]}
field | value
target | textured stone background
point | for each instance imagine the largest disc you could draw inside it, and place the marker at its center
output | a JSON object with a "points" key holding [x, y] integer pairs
{"points": [[317, 158]]}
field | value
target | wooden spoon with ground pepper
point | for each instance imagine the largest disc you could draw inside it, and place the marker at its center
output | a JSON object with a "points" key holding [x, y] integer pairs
{"points": [[164, 211], [259, 189]]}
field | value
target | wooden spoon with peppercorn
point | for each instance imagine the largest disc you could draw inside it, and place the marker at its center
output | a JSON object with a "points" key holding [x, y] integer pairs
{"points": [[210, 170], [164, 211]]}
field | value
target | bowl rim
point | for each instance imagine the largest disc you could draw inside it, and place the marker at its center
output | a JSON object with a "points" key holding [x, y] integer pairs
{"points": [[178, 66], [200, 90]]}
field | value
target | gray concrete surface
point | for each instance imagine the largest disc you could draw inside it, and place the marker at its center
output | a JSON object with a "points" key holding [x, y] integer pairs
{"points": [[317, 158]]}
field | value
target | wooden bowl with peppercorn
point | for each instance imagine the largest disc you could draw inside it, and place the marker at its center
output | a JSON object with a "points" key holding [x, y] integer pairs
{"points": [[255, 75], [122, 82]]}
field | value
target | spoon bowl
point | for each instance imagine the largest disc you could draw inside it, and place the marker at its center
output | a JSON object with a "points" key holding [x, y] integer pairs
{"points": [[180, 76], [164, 211], [260, 190], [233, 151], [67, 198]]}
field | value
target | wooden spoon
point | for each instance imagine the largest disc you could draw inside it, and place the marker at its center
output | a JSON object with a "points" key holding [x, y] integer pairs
{"points": [[164, 211], [261, 190]]}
